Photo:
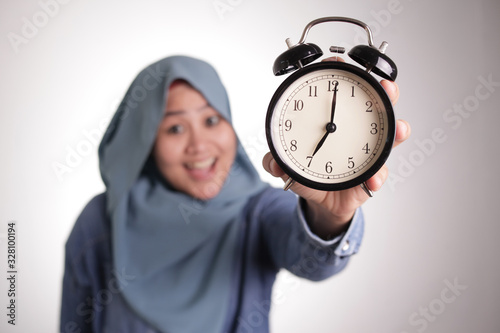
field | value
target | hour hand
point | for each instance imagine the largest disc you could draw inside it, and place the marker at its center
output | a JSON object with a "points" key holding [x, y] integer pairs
{"points": [[330, 128], [320, 143]]}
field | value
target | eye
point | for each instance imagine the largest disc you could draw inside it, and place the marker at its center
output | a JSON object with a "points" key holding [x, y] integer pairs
{"points": [[175, 129], [213, 121]]}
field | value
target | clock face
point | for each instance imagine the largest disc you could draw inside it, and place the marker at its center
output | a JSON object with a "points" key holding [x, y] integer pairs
{"points": [[330, 126]]}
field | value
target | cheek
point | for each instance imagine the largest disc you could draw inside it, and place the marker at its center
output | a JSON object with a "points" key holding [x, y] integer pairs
{"points": [[166, 152], [227, 140]]}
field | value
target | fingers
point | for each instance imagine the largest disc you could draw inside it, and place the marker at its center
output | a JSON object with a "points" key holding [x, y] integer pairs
{"points": [[390, 87], [271, 166], [334, 58], [403, 132], [377, 180], [392, 90], [374, 183]]}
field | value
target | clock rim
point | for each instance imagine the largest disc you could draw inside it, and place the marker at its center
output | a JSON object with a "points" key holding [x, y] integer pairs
{"points": [[390, 127]]}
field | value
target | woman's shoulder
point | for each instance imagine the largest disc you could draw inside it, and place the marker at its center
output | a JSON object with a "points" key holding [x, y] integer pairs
{"points": [[91, 227], [93, 218]]}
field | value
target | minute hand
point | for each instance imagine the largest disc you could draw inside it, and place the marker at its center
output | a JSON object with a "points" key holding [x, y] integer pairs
{"points": [[334, 101], [330, 127]]}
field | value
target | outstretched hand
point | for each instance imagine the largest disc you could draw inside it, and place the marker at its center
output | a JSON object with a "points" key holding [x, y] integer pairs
{"points": [[329, 212]]}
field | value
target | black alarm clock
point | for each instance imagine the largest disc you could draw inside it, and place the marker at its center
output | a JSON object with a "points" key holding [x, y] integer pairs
{"points": [[330, 125]]}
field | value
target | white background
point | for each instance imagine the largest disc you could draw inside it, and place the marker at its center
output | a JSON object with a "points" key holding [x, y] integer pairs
{"points": [[434, 223]]}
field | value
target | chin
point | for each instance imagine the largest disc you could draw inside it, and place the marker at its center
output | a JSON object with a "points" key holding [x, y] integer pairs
{"points": [[207, 192], [209, 189]]}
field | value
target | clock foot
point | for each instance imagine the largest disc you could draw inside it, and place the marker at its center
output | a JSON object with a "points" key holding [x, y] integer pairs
{"points": [[289, 182], [366, 189]]}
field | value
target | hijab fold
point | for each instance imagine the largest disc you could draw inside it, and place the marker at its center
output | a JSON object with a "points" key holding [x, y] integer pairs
{"points": [[180, 250]]}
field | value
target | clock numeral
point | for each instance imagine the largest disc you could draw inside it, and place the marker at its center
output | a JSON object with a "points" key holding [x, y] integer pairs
{"points": [[328, 167], [310, 158], [313, 91], [288, 125], [374, 129], [366, 149], [332, 85], [298, 105], [352, 93], [369, 104], [350, 163], [293, 145]]}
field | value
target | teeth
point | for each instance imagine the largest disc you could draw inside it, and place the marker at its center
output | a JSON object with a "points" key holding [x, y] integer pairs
{"points": [[201, 164]]}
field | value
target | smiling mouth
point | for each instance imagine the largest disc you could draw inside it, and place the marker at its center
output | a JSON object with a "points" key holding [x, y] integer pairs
{"points": [[201, 165]]}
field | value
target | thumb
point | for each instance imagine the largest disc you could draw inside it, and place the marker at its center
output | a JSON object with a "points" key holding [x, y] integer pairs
{"points": [[272, 167]]}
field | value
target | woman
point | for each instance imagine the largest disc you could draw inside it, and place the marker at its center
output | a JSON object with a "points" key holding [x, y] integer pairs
{"points": [[186, 237]]}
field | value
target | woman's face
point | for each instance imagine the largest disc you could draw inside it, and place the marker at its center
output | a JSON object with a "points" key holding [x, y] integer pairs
{"points": [[195, 146]]}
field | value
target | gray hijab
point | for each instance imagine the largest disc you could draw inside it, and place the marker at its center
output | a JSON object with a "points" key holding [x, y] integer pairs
{"points": [[181, 251]]}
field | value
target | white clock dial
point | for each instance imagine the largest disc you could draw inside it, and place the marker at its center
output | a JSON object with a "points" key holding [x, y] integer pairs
{"points": [[330, 126]]}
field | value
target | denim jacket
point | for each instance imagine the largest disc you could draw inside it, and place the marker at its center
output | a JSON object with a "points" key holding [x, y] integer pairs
{"points": [[273, 234]]}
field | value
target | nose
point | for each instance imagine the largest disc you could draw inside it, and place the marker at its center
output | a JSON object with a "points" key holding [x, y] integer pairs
{"points": [[197, 141]]}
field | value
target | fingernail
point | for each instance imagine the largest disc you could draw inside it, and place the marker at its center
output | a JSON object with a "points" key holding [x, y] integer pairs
{"points": [[404, 128]]}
